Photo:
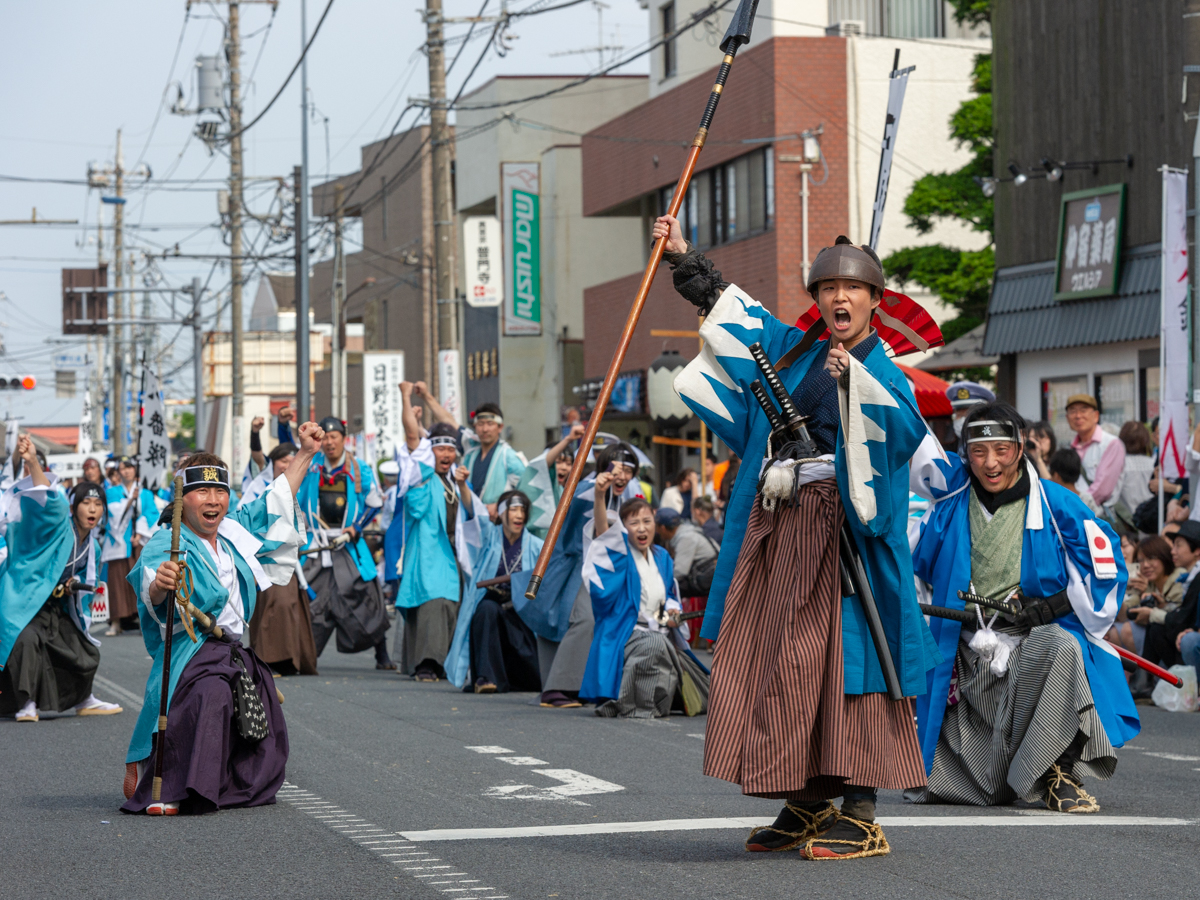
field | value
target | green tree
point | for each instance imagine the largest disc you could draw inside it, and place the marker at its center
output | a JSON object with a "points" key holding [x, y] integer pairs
{"points": [[962, 278]]}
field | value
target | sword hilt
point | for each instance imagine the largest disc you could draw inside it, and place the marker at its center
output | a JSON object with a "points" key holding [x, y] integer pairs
{"points": [[760, 394], [1003, 606], [792, 420]]}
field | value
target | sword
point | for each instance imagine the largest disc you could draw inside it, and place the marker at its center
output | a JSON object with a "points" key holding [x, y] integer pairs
{"points": [[961, 615], [854, 574], [1005, 606]]}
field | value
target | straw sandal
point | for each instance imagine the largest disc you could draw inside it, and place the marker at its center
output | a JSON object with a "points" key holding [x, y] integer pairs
{"points": [[1065, 793], [815, 824], [872, 844]]}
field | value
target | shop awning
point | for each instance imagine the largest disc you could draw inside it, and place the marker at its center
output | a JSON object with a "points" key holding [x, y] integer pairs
{"points": [[1023, 315]]}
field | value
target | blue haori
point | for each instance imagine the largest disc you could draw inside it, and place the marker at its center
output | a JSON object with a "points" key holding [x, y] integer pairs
{"points": [[547, 615], [879, 429], [431, 565], [41, 536], [486, 561], [1056, 555], [504, 469], [363, 501], [263, 539], [124, 520]]}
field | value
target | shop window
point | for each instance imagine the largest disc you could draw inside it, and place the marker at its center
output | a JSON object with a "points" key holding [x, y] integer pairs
{"points": [[1118, 401], [669, 56], [1055, 392], [729, 202]]}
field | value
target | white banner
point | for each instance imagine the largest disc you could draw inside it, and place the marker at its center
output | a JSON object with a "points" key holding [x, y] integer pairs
{"points": [[521, 215], [154, 447], [896, 86], [449, 383], [482, 261], [83, 443], [1173, 374], [383, 370]]}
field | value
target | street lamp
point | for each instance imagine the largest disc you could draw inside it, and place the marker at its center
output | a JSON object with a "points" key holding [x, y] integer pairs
{"points": [[1019, 177]]}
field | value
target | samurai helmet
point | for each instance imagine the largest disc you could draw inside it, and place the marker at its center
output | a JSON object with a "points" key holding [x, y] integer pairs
{"points": [[846, 260]]}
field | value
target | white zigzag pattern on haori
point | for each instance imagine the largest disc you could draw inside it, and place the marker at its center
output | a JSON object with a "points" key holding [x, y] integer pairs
{"points": [[861, 389], [597, 556], [692, 384]]}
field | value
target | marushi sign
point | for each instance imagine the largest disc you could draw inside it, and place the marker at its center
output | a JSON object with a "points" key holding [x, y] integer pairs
{"points": [[521, 214]]}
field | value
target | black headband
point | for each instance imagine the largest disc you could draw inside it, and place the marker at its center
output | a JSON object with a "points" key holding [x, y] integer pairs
{"points": [[991, 430], [626, 458], [196, 477], [84, 490]]}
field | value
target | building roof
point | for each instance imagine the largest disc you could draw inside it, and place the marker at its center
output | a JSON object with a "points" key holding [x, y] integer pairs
{"points": [[963, 352], [283, 286], [1023, 315]]}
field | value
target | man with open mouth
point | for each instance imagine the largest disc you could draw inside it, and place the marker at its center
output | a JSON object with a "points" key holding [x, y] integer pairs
{"points": [[798, 710]]}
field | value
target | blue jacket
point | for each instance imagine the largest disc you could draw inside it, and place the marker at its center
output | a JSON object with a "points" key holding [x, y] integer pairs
{"points": [[880, 428], [362, 503]]}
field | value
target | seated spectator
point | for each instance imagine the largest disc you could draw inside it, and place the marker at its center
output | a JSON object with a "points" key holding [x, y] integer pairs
{"points": [[704, 515], [492, 645], [1153, 591], [639, 664], [694, 553], [679, 495], [1065, 468], [1164, 641]]}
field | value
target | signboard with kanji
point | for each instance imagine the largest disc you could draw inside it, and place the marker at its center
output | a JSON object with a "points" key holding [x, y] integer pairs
{"points": [[383, 370], [1089, 243], [154, 446], [482, 261]]}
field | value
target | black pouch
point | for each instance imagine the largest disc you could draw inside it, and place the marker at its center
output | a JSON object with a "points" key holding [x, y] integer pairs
{"points": [[251, 716]]}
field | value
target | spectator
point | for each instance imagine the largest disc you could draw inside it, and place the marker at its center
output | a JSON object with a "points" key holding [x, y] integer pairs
{"points": [[1153, 591], [690, 548], [1192, 466], [728, 480], [1042, 444], [1164, 641], [706, 483], [704, 515], [1102, 454], [1134, 487], [679, 495], [1065, 469]]}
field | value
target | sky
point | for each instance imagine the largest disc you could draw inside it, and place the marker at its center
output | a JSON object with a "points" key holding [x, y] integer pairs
{"points": [[75, 72]]}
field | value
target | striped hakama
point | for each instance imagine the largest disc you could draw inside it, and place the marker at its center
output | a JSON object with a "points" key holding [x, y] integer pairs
{"points": [[779, 723], [1002, 733]]}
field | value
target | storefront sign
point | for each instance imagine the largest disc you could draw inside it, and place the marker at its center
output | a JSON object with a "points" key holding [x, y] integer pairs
{"points": [[482, 260], [449, 383], [1173, 422], [521, 213], [1089, 243], [383, 370]]}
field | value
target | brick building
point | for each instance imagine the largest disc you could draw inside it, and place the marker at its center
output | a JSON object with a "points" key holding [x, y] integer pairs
{"points": [[743, 205]]}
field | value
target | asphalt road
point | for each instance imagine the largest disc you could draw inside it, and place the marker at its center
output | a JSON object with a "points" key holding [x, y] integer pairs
{"points": [[390, 784]]}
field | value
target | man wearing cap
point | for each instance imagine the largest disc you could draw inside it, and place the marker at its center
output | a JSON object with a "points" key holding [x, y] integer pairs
{"points": [[132, 514], [440, 528], [494, 651], [963, 397], [799, 710], [1024, 706], [1102, 454], [338, 498], [214, 756], [688, 545], [281, 631]]}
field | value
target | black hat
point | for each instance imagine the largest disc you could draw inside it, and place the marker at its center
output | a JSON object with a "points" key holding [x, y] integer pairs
{"points": [[332, 423], [1189, 529]]}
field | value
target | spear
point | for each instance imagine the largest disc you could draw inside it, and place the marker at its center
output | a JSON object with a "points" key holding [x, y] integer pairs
{"points": [[164, 696], [737, 34]]}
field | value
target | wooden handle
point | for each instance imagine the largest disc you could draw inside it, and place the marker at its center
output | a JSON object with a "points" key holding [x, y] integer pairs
{"points": [[176, 518]]}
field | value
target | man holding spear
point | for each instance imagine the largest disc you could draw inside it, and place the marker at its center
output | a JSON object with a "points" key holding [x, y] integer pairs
{"points": [[209, 761]]}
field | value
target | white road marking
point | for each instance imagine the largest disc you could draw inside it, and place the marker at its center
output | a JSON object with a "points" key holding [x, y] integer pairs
{"points": [[523, 760], [574, 784], [700, 736], [1177, 757], [490, 749], [127, 697], [373, 838], [1000, 820]]}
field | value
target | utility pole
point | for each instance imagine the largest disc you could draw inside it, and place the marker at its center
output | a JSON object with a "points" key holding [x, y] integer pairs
{"points": [[444, 240], [233, 54], [198, 364], [303, 398], [117, 407], [336, 312]]}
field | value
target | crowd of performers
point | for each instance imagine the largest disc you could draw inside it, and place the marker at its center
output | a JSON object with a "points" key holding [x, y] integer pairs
{"points": [[855, 648]]}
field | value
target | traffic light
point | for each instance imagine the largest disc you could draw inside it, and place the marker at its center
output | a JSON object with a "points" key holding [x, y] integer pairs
{"points": [[20, 383]]}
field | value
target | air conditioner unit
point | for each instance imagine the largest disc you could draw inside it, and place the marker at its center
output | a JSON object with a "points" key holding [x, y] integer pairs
{"points": [[846, 28]]}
